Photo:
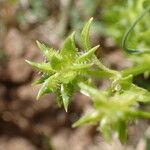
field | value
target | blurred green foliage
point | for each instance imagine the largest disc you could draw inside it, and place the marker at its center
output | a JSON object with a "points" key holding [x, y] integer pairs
{"points": [[114, 111], [119, 15], [35, 9]]}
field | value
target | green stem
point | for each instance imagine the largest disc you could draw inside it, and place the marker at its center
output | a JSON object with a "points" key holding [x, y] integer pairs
{"points": [[136, 70], [109, 72], [140, 114], [100, 74]]}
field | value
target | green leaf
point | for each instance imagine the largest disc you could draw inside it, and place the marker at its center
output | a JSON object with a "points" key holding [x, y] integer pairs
{"points": [[92, 92], [56, 62], [49, 85], [69, 48], [81, 66], [144, 94], [65, 96], [85, 41], [122, 131], [44, 90], [66, 77], [59, 97], [43, 67], [92, 117], [48, 52], [41, 80], [105, 129], [88, 55]]}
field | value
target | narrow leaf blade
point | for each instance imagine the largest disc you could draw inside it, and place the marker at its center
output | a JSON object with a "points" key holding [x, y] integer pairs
{"points": [[88, 118], [85, 41], [69, 48], [65, 96], [49, 85], [43, 67], [41, 80], [48, 52], [86, 56]]}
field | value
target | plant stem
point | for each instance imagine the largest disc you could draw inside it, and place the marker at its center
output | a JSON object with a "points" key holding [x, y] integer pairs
{"points": [[100, 74], [109, 72], [136, 70], [140, 114]]}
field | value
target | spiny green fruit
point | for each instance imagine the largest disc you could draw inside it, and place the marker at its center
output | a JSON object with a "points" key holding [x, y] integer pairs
{"points": [[65, 68]]}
